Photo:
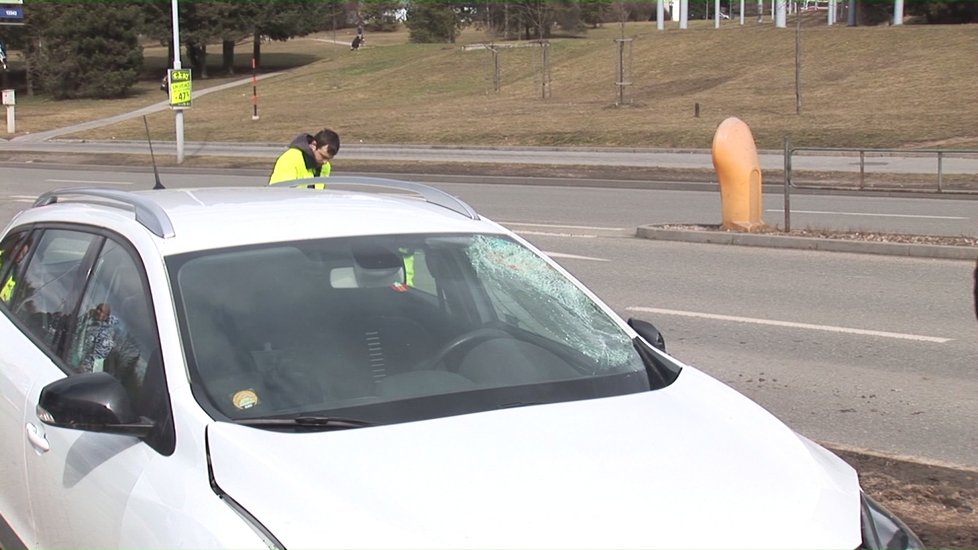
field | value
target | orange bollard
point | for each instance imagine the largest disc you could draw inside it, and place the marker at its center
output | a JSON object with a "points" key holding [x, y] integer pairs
{"points": [[739, 172]]}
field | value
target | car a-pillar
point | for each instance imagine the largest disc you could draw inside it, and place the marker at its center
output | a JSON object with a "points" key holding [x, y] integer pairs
{"points": [[739, 173]]}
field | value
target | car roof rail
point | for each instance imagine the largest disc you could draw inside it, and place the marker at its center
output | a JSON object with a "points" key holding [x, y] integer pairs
{"points": [[148, 213], [429, 193]]}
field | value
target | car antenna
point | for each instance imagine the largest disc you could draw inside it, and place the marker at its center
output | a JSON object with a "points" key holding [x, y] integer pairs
{"points": [[156, 172]]}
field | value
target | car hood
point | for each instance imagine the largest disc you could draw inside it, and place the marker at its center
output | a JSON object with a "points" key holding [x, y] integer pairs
{"points": [[694, 465]]}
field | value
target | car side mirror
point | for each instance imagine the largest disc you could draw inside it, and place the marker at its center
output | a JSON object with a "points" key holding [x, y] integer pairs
{"points": [[93, 402], [648, 332]]}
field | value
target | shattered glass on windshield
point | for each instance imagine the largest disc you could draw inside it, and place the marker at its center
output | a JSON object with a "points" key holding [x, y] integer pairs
{"points": [[525, 288]]}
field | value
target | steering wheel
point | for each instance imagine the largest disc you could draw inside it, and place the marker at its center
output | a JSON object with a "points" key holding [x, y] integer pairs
{"points": [[465, 340]]}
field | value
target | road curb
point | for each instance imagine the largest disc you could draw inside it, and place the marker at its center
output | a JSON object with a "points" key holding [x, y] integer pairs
{"points": [[808, 243]]}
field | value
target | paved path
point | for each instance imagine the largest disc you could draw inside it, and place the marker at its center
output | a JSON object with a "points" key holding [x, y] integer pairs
{"points": [[39, 137]]}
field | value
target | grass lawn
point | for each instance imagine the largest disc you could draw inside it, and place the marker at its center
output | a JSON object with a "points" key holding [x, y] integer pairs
{"points": [[907, 86]]}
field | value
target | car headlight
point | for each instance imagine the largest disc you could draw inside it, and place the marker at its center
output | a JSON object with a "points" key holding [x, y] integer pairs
{"points": [[882, 530]]}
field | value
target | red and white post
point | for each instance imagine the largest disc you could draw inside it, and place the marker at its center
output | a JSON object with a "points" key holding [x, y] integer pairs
{"points": [[254, 90]]}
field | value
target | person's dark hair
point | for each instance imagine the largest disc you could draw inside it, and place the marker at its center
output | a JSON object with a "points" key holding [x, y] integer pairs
{"points": [[330, 139]]}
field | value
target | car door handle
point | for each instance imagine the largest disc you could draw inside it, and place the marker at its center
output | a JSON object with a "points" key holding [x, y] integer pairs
{"points": [[37, 439]]}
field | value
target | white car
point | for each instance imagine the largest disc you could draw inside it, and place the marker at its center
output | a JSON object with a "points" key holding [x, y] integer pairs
{"points": [[284, 367]]}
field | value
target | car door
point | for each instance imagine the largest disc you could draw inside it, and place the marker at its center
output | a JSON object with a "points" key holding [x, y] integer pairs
{"points": [[82, 483], [17, 353], [40, 292]]}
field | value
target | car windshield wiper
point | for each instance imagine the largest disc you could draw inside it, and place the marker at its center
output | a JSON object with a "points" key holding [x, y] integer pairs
{"points": [[312, 422]]}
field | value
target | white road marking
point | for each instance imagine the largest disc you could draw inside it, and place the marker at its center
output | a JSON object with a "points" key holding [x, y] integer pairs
{"points": [[873, 215], [575, 257], [589, 227], [93, 182], [548, 234], [788, 324]]}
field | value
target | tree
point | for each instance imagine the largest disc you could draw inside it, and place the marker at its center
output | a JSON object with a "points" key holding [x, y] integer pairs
{"points": [[433, 22], [227, 22], [945, 11], [538, 17], [84, 49], [380, 15], [593, 12], [285, 19]]}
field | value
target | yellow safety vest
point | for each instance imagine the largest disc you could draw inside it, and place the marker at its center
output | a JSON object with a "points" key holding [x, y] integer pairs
{"points": [[8, 289], [291, 165]]}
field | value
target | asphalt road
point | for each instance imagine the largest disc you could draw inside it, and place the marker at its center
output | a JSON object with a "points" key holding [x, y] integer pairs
{"points": [[923, 164], [871, 352], [672, 205]]}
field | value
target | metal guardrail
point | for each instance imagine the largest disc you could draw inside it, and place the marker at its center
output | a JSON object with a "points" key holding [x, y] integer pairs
{"points": [[790, 150]]}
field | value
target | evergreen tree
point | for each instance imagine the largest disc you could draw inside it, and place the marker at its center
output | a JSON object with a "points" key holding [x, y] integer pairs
{"points": [[85, 49], [593, 12], [380, 15], [432, 22]]}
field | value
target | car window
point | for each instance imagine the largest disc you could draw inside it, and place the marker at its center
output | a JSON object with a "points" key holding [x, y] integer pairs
{"points": [[44, 295], [113, 329]]}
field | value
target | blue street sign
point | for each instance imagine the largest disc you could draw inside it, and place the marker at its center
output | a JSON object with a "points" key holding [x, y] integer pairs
{"points": [[12, 12]]}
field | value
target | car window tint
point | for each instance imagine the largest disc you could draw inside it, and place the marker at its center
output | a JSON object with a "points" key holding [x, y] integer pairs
{"points": [[113, 329], [45, 296]]}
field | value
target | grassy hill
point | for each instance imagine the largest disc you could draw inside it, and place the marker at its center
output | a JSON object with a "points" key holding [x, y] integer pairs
{"points": [[907, 86]]}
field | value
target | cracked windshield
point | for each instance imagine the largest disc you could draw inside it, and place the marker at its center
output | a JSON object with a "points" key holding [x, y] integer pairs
{"points": [[358, 323]]}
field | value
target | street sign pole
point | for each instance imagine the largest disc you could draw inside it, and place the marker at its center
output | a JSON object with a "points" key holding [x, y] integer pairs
{"points": [[177, 66]]}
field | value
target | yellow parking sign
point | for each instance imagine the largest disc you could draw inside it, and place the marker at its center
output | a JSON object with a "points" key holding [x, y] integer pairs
{"points": [[180, 88]]}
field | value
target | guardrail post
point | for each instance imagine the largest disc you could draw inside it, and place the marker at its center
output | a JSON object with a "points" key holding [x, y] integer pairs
{"points": [[940, 171], [862, 168]]}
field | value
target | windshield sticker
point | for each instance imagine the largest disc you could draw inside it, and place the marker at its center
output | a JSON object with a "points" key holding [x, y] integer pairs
{"points": [[541, 292], [245, 399]]}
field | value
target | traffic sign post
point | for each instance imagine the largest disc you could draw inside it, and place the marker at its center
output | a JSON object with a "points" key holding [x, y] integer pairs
{"points": [[10, 101], [180, 88]]}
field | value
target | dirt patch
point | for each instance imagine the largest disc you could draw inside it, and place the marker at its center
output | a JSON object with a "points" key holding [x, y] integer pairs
{"points": [[939, 503]]}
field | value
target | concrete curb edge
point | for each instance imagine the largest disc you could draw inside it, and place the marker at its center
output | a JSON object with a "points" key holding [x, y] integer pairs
{"points": [[809, 243]]}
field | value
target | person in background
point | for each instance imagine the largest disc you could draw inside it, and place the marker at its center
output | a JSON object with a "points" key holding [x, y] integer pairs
{"points": [[308, 156], [19, 251]]}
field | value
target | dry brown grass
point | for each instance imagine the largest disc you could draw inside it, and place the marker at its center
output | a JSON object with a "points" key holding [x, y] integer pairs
{"points": [[907, 86]]}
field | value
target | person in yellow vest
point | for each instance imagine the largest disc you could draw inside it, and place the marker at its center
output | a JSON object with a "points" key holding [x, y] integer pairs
{"points": [[8, 284], [408, 256], [308, 156]]}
